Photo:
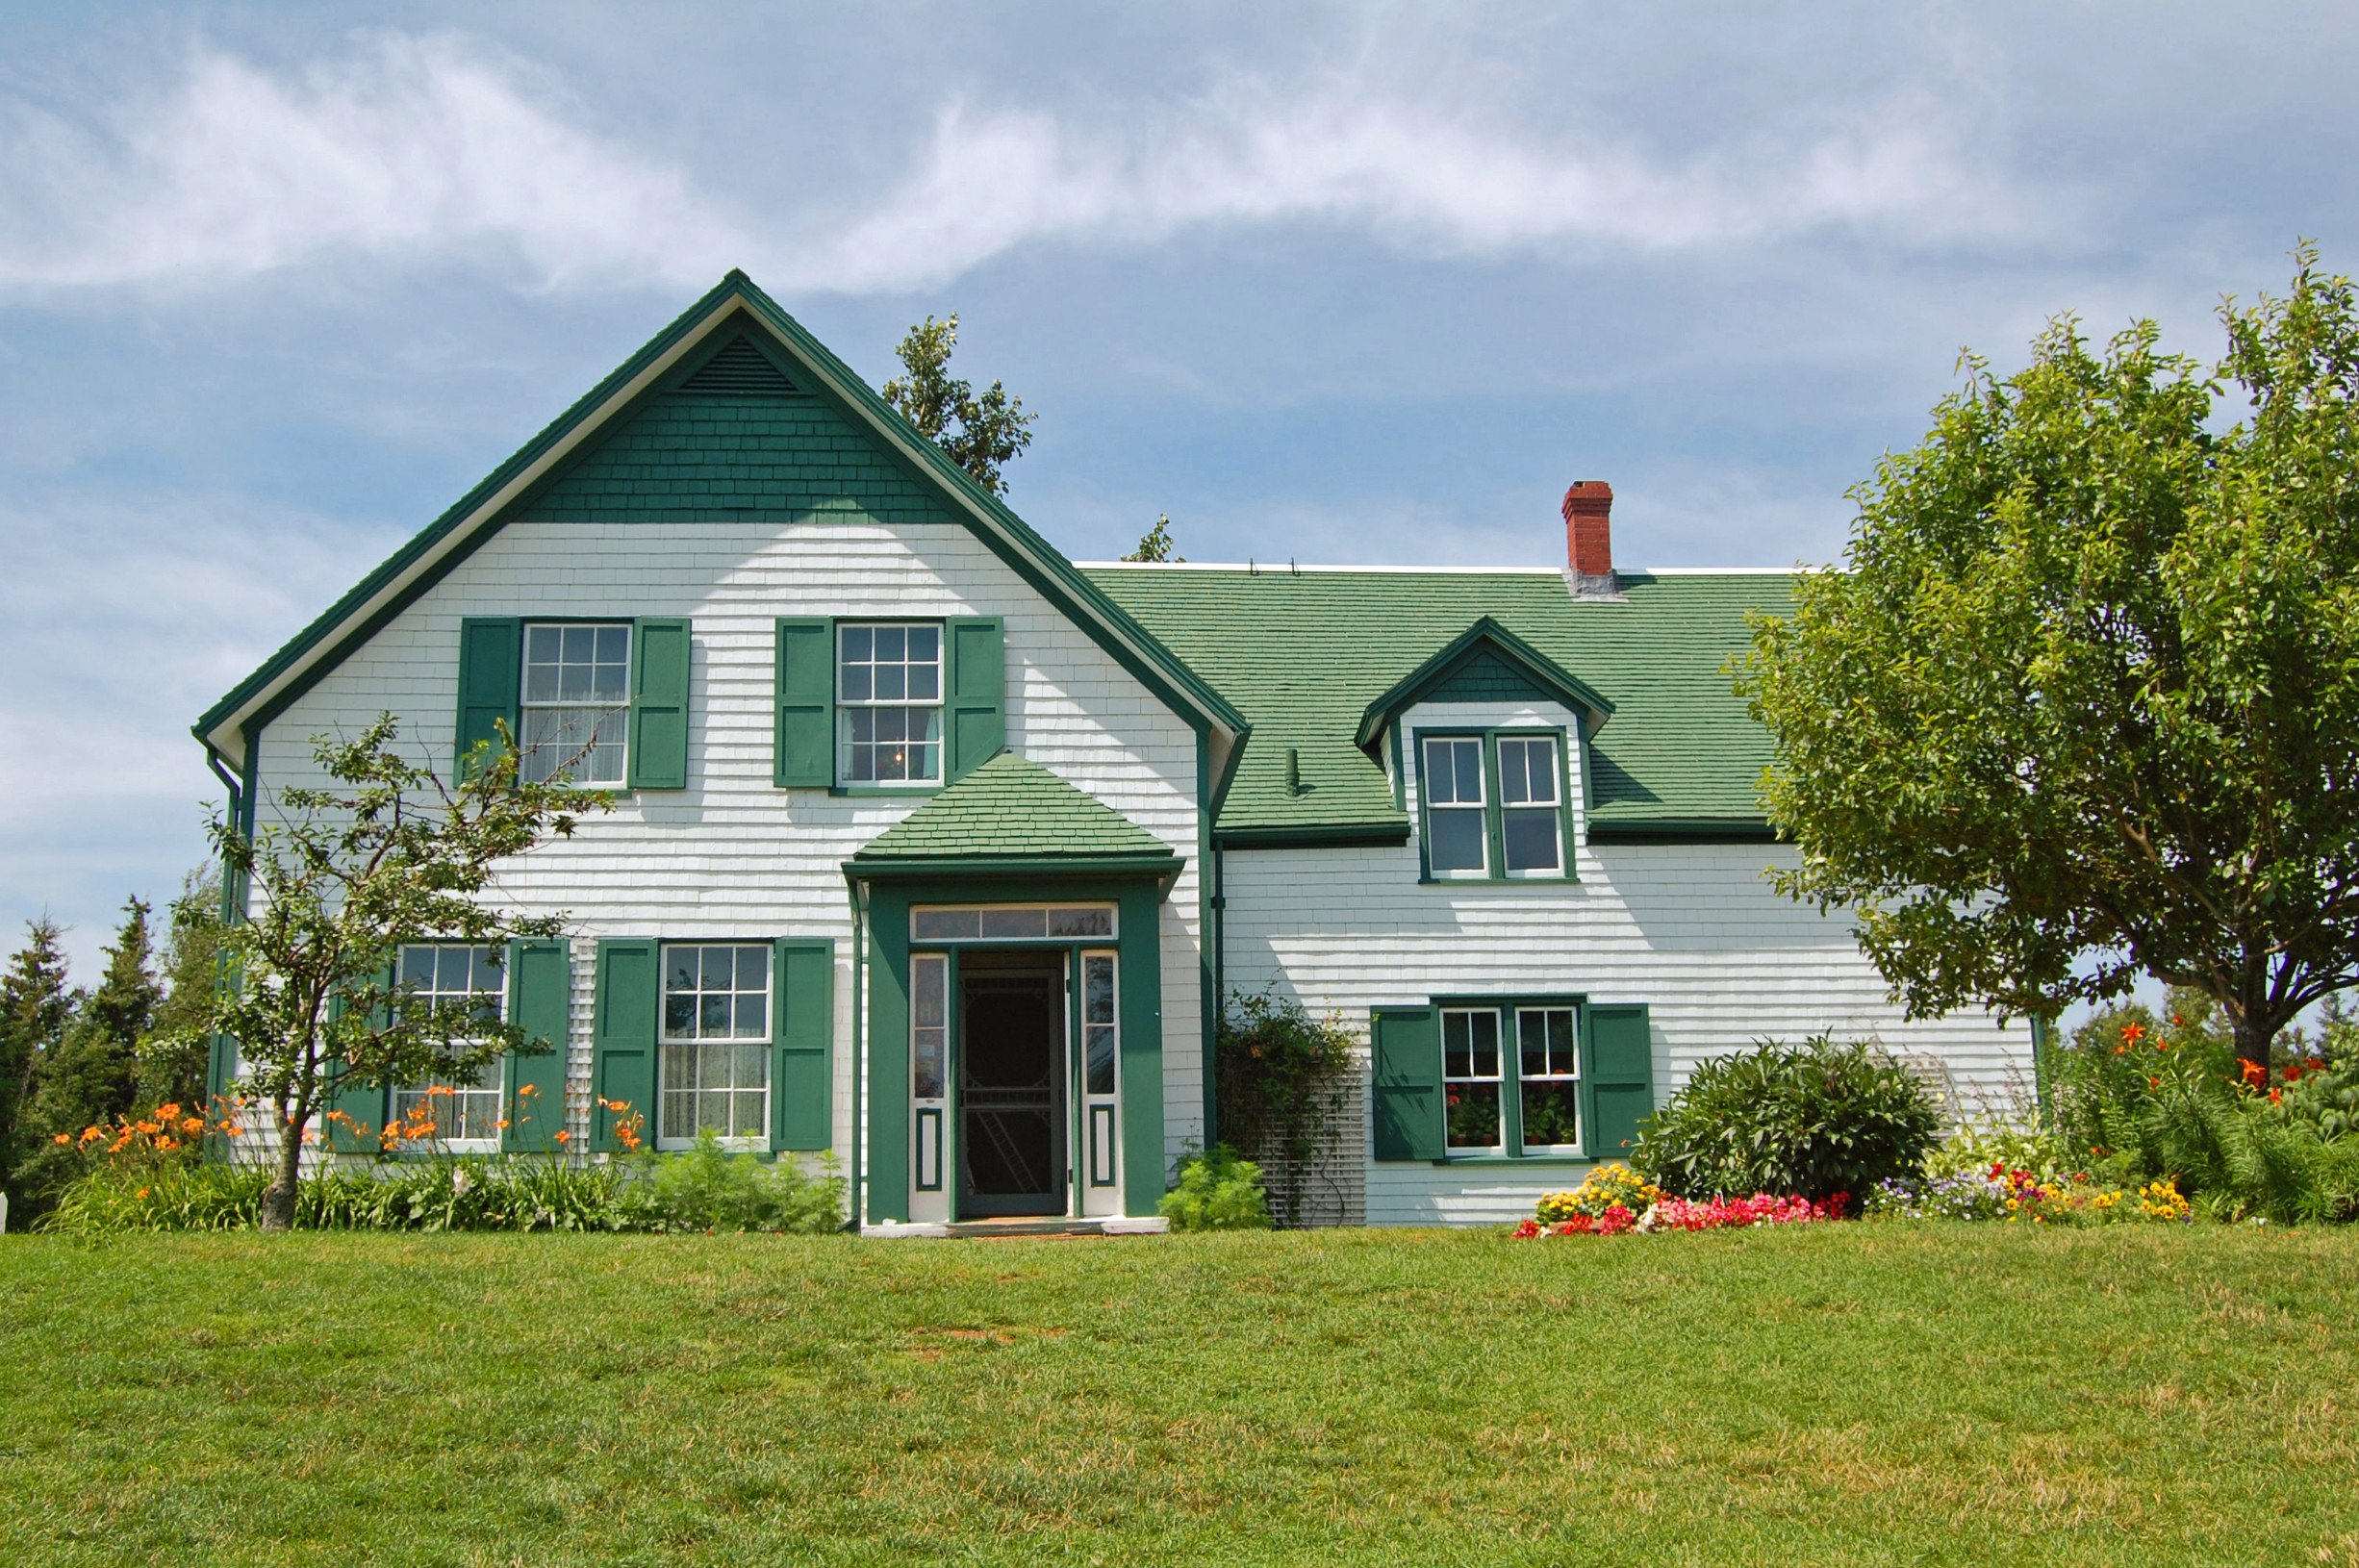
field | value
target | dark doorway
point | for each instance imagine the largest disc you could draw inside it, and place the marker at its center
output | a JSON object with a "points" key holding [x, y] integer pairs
{"points": [[1012, 1083]]}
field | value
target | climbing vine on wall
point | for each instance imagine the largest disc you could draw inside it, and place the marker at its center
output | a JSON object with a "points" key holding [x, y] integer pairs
{"points": [[1281, 1073]]}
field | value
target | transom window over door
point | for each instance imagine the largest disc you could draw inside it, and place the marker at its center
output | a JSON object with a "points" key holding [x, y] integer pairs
{"points": [[464, 1111], [1456, 831], [576, 701], [715, 1066], [889, 700]]}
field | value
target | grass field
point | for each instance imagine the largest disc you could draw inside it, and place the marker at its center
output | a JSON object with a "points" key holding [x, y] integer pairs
{"points": [[1854, 1394]]}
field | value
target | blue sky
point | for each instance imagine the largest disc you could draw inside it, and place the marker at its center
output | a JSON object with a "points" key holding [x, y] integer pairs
{"points": [[1347, 284]]}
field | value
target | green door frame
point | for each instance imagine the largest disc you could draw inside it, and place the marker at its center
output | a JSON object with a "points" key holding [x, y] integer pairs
{"points": [[1138, 896]]}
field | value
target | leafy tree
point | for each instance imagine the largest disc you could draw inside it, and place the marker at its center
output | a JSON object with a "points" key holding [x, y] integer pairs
{"points": [[1155, 545], [991, 429], [34, 1007], [2086, 703], [172, 1053], [91, 1075], [388, 854]]}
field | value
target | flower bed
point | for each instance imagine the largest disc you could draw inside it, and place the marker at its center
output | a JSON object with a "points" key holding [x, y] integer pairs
{"points": [[2017, 1196], [1615, 1199]]}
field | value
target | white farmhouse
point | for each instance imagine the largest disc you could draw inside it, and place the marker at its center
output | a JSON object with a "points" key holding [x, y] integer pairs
{"points": [[937, 851]]}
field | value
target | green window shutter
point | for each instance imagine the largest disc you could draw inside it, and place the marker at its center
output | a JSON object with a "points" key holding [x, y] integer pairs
{"points": [[659, 704], [804, 753], [1617, 1073], [803, 1018], [975, 714], [541, 1001], [622, 1037], [366, 1103], [1405, 1044], [491, 680]]}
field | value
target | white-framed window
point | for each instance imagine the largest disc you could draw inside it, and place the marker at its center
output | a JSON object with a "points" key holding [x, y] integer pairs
{"points": [[464, 1112], [714, 1062], [888, 693], [1456, 832], [1530, 806], [1548, 1079], [577, 702], [1471, 1080]]}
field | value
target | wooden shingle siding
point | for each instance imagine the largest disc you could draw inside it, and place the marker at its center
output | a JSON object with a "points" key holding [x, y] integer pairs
{"points": [[1692, 931], [732, 854]]}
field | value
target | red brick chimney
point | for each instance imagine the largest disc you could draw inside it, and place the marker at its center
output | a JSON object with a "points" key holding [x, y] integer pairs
{"points": [[1589, 537]]}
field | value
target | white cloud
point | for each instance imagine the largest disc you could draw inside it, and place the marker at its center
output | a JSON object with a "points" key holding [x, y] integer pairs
{"points": [[413, 150], [424, 150]]}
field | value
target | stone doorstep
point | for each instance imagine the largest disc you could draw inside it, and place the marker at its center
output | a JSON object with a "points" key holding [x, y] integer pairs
{"points": [[1045, 1226]]}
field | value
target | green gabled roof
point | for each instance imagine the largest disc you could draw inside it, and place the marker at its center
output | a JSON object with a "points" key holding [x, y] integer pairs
{"points": [[1480, 648], [721, 313], [1012, 808], [1304, 654]]}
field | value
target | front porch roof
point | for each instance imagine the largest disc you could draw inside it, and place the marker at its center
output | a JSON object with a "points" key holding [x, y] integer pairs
{"points": [[1012, 813]]}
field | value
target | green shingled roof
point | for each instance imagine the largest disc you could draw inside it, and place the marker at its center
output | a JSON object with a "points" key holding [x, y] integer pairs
{"points": [[1012, 808], [1302, 655]]}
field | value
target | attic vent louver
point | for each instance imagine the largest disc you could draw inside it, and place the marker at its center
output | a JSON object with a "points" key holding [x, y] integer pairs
{"points": [[739, 371]]}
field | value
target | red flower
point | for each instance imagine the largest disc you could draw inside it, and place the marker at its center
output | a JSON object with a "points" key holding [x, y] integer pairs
{"points": [[2255, 1073], [2275, 1095]]}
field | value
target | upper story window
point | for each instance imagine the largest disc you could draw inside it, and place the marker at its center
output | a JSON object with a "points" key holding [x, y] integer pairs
{"points": [[889, 701], [1457, 807], [1494, 806], [576, 701]]}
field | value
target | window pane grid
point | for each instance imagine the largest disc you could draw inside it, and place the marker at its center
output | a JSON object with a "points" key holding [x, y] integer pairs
{"points": [[889, 689], [1455, 806], [716, 1041], [577, 702], [1471, 1077], [1098, 1021], [1528, 802], [432, 973], [1548, 1069]]}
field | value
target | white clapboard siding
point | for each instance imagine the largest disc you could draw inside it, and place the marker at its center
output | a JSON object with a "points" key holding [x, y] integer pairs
{"points": [[732, 855], [1693, 931]]}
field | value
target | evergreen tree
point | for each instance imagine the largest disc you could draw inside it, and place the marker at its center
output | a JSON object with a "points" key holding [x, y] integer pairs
{"points": [[92, 1074], [35, 1008], [173, 1050]]}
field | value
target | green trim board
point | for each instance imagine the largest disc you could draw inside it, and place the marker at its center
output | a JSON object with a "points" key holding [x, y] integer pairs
{"points": [[727, 312], [1485, 642]]}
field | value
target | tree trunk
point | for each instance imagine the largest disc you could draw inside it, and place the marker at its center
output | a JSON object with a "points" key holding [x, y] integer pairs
{"points": [[278, 1199], [2253, 1045]]}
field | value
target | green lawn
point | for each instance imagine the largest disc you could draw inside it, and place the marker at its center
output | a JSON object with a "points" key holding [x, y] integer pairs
{"points": [[1855, 1394]]}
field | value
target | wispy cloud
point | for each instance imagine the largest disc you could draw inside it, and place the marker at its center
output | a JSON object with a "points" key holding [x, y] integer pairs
{"points": [[435, 149], [419, 149]]}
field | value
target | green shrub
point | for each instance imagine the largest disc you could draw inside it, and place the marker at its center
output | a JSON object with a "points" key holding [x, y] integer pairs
{"points": [[2152, 1099], [707, 1188], [1281, 1075], [703, 1189], [1809, 1120], [1219, 1190]]}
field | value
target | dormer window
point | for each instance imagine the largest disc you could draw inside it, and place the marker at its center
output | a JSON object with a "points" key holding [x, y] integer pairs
{"points": [[1494, 806]]}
